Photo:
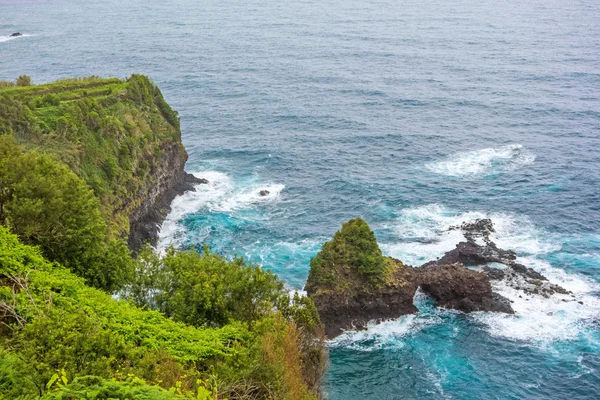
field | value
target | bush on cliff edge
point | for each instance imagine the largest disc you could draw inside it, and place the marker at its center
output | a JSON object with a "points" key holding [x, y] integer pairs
{"points": [[53, 325]]}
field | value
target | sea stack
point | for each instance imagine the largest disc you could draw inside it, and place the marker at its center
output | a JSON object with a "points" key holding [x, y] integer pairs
{"points": [[351, 283]]}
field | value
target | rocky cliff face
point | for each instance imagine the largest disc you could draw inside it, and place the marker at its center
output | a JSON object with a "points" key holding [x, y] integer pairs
{"points": [[169, 181], [348, 295]]}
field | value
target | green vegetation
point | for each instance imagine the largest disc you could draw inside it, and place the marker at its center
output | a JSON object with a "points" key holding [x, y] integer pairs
{"points": [[46, 204], [111, 133], [76, 159], [22, 80], [96, 388], [55, 327], [204, 290], [352, 251]]}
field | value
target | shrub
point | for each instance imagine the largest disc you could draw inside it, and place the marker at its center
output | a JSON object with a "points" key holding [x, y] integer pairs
{"points": [[54, 324], [97, 388], [23, 80], [355, 247], [204, 289], [107, 131], [46, 204]]}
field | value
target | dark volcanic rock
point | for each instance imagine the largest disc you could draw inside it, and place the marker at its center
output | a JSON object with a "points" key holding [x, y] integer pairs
{"points": [[526, 279], [527, 272], [189, 183], [170, 180], [264, 193], [352, 283], [471, 253], [16, 34], [454, 286], [515, 275], [341, 312], [348, 295], [480, 228]]}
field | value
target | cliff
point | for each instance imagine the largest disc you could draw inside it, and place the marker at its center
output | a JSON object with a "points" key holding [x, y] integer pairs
{"points": [[84, 164], [119, 136]]}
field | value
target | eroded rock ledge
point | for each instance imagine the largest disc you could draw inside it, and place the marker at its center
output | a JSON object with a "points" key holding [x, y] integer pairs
{"points": [[352, 283]]}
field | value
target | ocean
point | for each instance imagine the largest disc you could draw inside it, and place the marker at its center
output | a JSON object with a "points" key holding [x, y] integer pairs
{"points": [[416, 116]]}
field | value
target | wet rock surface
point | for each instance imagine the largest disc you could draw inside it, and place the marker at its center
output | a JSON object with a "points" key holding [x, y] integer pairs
{"points": [[454, 286], [525, 279], [514, 274], [339, 311]]}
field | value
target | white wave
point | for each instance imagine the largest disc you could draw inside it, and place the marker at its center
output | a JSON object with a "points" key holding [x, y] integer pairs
{"points": [[423, 235], [294, 254], [7, 38], [205, 195], [251, 196], [379, 335], [483, 162], [220, 194], [542, 321]]}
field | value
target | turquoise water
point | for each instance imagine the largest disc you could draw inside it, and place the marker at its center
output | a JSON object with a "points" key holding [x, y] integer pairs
{"points": [[415, 115]]}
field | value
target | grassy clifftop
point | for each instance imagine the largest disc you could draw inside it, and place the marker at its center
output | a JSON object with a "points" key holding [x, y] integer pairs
{"points": [[112, 133]]}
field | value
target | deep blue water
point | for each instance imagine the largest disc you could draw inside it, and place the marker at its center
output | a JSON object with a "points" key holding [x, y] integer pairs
{"points": [[415, 115]]}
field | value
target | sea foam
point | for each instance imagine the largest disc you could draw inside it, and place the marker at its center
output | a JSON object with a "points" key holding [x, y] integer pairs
{"points": [[392, 333], [423, 234], [220, 194], [483, 162]]}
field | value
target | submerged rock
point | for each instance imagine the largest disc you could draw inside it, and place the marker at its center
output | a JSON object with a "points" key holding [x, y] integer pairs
{"points": [[525, 279], [479, 228], [264, 193]]}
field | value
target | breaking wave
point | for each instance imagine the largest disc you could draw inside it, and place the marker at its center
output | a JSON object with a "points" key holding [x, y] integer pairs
{"points": [[483, 162], [423, 235], [220, 194]]}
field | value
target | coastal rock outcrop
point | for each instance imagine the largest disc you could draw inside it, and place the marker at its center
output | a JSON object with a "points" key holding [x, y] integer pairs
{"points": [[513, 274], [16, 34], [454, 286], [352, 283]]}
